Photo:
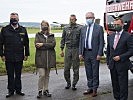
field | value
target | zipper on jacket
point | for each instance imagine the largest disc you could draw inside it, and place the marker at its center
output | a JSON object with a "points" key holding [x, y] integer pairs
{"points": [[47, 53]]}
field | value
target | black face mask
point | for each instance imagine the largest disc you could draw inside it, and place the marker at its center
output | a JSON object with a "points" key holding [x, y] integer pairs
{"points": [[71, 23], [13, 21], [44, 28], [118, 28]]}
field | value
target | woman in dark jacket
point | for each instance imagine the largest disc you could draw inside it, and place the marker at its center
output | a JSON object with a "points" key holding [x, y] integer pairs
{"points": [[45, 57]]}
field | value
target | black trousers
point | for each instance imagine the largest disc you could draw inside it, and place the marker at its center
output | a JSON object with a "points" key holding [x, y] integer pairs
{"points": [[14, 75], [119, 83]]}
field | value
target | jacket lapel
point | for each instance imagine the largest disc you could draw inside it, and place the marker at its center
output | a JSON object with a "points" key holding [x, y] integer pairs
{"points": [[84, 33], [112, 40], [93, 32]]}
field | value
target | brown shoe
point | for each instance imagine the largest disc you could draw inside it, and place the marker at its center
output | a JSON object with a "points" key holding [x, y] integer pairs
{"points": [[94, 94], [89, 91]]}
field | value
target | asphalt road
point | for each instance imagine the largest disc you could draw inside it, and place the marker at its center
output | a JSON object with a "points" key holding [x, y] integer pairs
{"points": [[57, 84]]}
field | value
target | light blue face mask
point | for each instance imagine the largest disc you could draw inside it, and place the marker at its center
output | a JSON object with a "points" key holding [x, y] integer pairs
{"points": [[89, 21]]}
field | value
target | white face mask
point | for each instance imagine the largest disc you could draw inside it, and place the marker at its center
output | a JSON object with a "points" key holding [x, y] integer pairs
{"points": [[89, 21]]}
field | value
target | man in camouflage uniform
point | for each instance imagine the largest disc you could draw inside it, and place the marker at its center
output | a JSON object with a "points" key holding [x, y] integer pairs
{"points": [[70, 39]]}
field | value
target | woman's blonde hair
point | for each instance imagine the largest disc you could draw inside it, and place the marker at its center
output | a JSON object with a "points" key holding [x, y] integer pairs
{"points": [[43, 21]]}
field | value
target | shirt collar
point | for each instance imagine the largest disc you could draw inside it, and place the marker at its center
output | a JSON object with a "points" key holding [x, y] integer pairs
{"points": [[120, 32], [88, 25], [14, 27], [73, 25]]}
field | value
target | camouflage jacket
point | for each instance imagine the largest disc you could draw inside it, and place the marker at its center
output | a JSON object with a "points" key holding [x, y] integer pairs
{"points": [[71, 36]]}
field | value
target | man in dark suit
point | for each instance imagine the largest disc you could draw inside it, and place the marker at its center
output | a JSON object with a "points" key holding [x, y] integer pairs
{"points": [[91, 49], [119, 50], [13, 42]]}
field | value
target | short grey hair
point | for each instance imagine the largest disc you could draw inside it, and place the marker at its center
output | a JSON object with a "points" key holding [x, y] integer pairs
{"points": [[91, 13]]}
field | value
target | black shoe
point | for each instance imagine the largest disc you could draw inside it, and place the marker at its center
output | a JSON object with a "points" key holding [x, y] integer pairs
{"points": [[20, 93], [74, 88], [47, 93], [39, 94], [9, 94], [68, 86]]}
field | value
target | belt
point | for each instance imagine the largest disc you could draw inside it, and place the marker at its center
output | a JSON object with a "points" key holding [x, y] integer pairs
{"points": [[87, 49], [71, 47]]}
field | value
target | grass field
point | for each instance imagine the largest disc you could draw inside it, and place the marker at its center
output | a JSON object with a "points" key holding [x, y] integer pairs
{"points": [[35, 30], [32, 53], [29, 65]]}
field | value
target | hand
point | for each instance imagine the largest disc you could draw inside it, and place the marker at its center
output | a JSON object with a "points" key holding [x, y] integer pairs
{"points": [[62, 54], [3, 58], [108, 66], [116, 58], [81, 57], [25, 58], [38, 45], [98, 57]]}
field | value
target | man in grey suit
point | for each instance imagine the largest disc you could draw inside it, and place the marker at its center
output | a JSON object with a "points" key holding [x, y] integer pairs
{"points": [[91, 49], [119, 50]]}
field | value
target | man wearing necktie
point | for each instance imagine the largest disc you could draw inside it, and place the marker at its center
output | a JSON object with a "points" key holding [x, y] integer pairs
{"points": [[91, 49], [119, 50]]}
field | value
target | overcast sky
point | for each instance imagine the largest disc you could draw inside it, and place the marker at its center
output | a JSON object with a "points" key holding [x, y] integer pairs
{"points": [[50, 10]]}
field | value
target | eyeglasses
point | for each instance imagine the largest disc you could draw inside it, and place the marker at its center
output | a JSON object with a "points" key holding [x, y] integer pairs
{"points": [[89, 17]]}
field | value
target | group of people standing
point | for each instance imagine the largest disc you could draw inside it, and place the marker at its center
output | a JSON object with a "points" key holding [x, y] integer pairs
{"points": [[83, 43], [80, 43]]}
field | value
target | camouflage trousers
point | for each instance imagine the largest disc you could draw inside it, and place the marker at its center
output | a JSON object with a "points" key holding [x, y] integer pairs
{"points": [[71, 60]]}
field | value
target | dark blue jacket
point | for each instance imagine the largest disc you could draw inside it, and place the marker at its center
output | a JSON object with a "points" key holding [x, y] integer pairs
{"points": [[97, 41], [14, 43]]}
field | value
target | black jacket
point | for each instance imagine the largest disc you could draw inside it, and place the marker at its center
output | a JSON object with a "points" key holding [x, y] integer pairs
{"points": [[14, 43]]}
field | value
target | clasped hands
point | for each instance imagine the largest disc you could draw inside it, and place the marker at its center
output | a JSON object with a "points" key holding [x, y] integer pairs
{"points": [[38, 45], [116, 58]]}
